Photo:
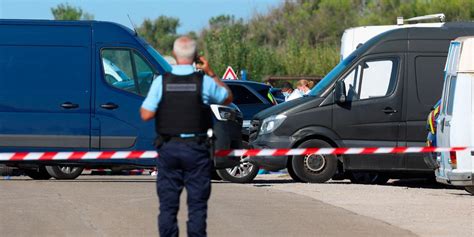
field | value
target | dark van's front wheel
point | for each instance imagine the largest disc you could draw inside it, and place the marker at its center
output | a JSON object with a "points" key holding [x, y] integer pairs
{"points": [[314, 168]]}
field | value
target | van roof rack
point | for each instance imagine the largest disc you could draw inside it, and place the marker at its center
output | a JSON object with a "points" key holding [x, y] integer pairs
{"points": [[439, 17]]}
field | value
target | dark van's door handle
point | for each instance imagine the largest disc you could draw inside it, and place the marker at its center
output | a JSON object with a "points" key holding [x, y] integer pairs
{"points": [[69, 105], [389, 110], [109, 106]]}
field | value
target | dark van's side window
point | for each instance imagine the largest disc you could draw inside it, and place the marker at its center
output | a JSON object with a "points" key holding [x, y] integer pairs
{"points": [[372, 79], [429, 78], [243, 96], [125, 69]]}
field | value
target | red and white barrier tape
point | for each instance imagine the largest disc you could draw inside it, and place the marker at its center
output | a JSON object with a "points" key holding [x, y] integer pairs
{"points": [[107, 155], [337, 151], [76, 155]]}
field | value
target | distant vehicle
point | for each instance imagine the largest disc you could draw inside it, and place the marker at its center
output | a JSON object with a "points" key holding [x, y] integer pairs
{"points": [[228, 132], [251, 97], [278, 95], [455, 124], [353, 38], [378, 96], [77, 85]]}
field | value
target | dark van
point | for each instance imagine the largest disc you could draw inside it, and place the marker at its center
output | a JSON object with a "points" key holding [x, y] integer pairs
{"points": [[379, 96], [75, 85]]}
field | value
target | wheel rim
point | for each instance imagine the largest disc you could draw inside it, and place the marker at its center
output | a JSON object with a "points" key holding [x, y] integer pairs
{"points": [[314, 162], [68, 169], [241, 170]]}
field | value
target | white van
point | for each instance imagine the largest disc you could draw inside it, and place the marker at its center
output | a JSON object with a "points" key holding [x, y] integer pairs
{"points": [[353, 37], [455, 123]]}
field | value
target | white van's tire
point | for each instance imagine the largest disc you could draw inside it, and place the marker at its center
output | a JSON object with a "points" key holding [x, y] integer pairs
{"points": [[38, 174], [314, 168], [64, 172], [470, 189]]}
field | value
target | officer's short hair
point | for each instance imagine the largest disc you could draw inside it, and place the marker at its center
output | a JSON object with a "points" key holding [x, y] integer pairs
{"points": [[184, 47]]}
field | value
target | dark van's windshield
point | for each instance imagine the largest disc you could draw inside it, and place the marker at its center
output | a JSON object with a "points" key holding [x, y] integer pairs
{"points": [[331, 76]]}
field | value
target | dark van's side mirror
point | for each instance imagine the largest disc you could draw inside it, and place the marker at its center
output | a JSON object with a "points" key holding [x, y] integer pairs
{"points": [[340, 93]]}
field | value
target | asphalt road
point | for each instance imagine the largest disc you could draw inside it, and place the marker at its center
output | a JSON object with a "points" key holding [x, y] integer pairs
{"points": [[127, 206]]}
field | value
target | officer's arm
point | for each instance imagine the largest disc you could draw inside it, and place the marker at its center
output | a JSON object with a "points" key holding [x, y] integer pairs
{"points": [[230, 96], [146, 114], [204, 65], [150, 104]]}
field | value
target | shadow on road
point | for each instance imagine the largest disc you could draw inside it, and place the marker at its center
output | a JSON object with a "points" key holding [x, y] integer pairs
{"points": [[270, 181], [420, 183], [408, 183]]}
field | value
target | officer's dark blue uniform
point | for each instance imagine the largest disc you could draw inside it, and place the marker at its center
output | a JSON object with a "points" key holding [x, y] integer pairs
{"points": [[182, 118]]}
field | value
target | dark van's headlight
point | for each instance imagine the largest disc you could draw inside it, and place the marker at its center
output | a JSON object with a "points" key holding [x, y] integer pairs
{"points": [[271, 123]]}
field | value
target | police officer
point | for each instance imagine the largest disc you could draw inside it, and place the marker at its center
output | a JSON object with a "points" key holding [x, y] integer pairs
{"points": [[179, 103]]}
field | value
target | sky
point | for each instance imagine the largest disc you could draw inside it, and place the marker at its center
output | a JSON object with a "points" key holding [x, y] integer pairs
{"points": [[193, 14]]}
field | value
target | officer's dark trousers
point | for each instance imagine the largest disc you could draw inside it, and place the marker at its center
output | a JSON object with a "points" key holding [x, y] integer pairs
{"points": [[183, 164]]}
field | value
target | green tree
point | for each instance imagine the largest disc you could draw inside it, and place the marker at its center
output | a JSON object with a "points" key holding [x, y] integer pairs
{"points": [[160, 32], [381, 12], [68, 12]]}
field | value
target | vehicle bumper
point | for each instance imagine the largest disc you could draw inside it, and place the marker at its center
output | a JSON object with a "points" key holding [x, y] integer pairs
{"points": [[457, 178], [270, 141]]}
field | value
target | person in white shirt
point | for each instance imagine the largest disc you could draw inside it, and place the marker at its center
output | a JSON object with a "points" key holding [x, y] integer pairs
{"points": [[303, 87]]}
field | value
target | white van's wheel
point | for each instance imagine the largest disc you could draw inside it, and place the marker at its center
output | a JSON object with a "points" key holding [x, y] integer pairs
{"points": [[470, 189], [314, 168], [64, 172]]}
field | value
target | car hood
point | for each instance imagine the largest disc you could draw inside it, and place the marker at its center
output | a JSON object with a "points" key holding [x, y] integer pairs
{"points": [[292, 106]]}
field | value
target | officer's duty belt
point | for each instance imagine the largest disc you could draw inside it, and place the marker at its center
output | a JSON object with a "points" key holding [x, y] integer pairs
{"points": [[199, 138]]}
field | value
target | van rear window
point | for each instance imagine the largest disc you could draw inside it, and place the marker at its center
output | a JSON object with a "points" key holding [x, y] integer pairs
{"points": [[450, 102]]}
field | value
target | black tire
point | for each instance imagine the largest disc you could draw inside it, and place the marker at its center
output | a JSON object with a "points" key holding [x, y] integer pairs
{"points": [[314, 168], [6, 170], [38, 174], [368, 178], [292, 173], [226, 174], [215, 176], [64, 172], [470, 189]]}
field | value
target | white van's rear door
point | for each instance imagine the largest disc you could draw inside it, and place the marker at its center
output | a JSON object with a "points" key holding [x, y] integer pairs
{"points": [[447, 103]]}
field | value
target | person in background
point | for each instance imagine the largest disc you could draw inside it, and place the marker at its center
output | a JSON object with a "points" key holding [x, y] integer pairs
{"points": [[287, 89], [303, 87]]}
